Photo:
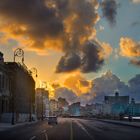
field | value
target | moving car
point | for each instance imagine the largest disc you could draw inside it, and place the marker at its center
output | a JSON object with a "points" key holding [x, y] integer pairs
{"points": [[52, 120]]}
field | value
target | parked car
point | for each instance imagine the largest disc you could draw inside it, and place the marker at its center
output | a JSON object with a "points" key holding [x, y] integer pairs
{"points": [[52, 120]]}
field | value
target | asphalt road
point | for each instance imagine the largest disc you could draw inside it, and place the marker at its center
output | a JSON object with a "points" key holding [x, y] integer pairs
{"points": [[72, 129]]}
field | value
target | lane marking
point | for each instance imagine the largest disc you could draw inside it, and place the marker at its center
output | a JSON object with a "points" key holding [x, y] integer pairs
{"points": [[85, 130], [32, 138], [46, 136], [71, 131]]}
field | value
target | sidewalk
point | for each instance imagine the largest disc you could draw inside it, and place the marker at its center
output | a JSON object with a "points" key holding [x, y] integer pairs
{"points": [[126, 123], [6, 126]]}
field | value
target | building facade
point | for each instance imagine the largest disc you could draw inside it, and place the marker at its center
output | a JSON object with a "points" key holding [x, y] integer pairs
{"points": [[133, 108], [53, 107], [75, 109], [42, 103], [115, 105], [4, 88], [17, 93], [62, 106]]}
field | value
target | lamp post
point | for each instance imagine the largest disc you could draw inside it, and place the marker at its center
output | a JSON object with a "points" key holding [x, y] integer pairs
{"points": [[19, 53], [34, 71]]}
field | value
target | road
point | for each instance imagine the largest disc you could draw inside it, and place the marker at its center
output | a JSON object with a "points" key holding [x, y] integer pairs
{"points": [[72, 129]]}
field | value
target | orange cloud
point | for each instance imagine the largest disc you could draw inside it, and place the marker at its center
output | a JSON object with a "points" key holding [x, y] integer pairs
{"points": [[129, 47], [78, 84], [66, 26], [106, 50], [45, 25]]}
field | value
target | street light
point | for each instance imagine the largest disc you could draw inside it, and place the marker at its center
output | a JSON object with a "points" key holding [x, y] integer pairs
{"points": [[19, 53], [34, 71]]}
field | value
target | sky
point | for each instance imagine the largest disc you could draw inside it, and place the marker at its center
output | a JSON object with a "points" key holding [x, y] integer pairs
{"points": [[66, 38]]}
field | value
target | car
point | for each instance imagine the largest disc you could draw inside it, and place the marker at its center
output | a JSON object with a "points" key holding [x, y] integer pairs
{"points": [[52, 120]]}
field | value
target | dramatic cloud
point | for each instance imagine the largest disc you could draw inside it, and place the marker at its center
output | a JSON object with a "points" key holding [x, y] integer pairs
{"points": [[78, 84], [66, 93], [109, 9], [91, 60], [69, 62], [65, 25], [131, 49], [30, 22], [107, 84]]}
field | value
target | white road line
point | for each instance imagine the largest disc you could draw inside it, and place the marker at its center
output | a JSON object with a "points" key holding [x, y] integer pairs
{"points": [[32, 138], [46, 136], [44, 132], [84, 129]]}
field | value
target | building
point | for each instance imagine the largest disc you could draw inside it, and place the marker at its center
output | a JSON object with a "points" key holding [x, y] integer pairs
{"points": [[115, 105], [91, 110], [62, 106], [87, 111], [133, 108], [74, 109], [53, 108], [5, 94], [17, 92], [42, 103]]}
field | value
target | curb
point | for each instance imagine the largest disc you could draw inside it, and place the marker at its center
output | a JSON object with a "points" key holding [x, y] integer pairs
{"points": [[119, 123], [4, 128]]}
